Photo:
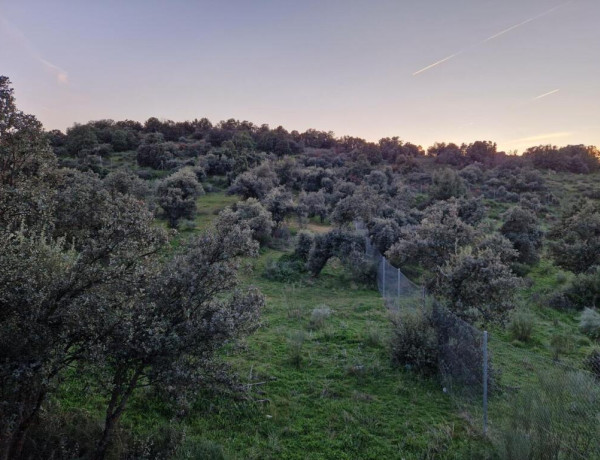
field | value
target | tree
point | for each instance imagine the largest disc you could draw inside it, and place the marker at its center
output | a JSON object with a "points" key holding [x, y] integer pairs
{"points": [[252, 214], [124, 182], [521, 227], [477, 286], [431, 243], [336, 243], [575, 239], [54, 297], [280, 203], [170, 334], [384, 233], [80, 138], [313, 204], [154, 152], [177, 195], [447, 184], [26, 165], [255, 183]]}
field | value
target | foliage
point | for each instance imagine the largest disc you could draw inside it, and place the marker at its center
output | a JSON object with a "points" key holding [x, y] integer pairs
{"points": [[336, 243], [318, 316], [447, 184], [154, 152], [255, 183], [26, 165], [477, 286], [440, 235], [589, 323], [555, 419], [177, 195], [583, 291], [252, 214], [521, 227], [592, 362], [575, 239], [304, 242], [414, 340], [284, 269], [521, 325], [279, 202]]}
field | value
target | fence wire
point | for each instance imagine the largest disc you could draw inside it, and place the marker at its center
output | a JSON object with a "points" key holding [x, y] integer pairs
{"points": [[460, 345], [539, 407]]}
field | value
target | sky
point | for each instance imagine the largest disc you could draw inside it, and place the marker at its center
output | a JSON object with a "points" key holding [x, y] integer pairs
{"points": [[516, 72]]}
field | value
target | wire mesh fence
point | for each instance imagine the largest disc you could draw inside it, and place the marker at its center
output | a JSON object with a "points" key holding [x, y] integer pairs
{"points": [[460, 345], [537, 406]]}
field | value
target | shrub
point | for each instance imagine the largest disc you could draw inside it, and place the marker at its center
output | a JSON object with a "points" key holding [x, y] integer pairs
{"points": [[555, 418], [589, 323], [318, 317], [414, 341], [447, 184], [592, 362], [521, 326], [521, 227], [561, 344], [254, 215], [286, 268], [575, 239], [177, 195], [304, 242], [583, 291], [296, 343]]}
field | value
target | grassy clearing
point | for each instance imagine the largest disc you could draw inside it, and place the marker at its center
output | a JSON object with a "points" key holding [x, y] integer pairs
{"points": [[320, 390]]}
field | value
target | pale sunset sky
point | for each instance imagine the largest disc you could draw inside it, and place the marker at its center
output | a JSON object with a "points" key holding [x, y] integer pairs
{"points": [[516, 72]]}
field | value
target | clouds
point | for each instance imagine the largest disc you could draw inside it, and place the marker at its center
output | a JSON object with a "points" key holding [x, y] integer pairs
{"points": [[14, 33]]}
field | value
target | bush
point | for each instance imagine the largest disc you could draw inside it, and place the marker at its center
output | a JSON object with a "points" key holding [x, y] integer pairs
{"points": [[296, 343], [583, 291], [521, 326], [177, 195], [561, 344], [285, 269], [318, 317], [414, 341], [589, 323], [556, 418], [592, 362], [304, 242]]}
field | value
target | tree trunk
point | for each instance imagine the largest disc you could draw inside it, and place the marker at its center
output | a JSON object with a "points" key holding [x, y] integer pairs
{"points": [[115, 409], [18, 438]]}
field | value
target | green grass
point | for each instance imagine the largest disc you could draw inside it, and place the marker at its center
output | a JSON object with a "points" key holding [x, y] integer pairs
{"points": [[333, 394], [330, 391], [341, 398]]}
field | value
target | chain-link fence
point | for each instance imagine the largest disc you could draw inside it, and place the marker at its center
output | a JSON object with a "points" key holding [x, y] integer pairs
{"points": [[461, 347], [539, 407]]}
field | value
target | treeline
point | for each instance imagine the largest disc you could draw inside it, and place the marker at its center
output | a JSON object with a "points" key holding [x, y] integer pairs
{"points": [[166, 143]]}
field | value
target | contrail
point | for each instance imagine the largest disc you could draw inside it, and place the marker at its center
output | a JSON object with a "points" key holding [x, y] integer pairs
{"points": [[541, 137], [527, 21], [499, 34], [15, 33], [437, 63], [546, 94]]}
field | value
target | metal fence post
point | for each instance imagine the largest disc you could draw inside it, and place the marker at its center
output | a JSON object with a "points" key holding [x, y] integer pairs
{"points": [[485, 382], [383, 277]]}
